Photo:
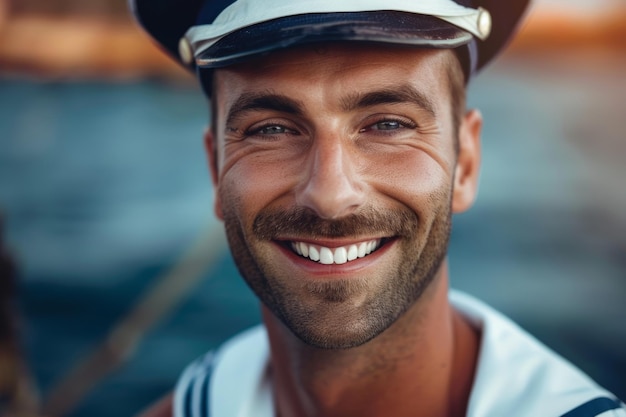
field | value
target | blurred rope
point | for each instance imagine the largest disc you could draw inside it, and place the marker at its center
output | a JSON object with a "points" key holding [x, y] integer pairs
{"points": [[167, 291]]}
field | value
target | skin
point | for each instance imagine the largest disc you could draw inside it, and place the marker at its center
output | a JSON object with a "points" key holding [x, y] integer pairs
{"points": [[376, 336]]}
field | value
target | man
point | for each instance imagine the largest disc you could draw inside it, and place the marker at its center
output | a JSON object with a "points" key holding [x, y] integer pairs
{"points": [[339, 148]]}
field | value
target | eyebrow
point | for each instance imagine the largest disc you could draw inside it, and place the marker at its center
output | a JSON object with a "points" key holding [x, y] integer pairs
{"points": [[255, 101], [263, 101], [403, 93]]}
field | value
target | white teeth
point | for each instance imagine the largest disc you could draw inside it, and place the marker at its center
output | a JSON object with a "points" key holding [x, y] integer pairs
{"points": [[362, 249], [353, 253], [314, 254], [339, 255], [326, 256], [304, 248]]}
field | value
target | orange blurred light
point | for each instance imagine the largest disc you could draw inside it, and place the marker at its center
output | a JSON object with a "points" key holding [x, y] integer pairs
{"points": [[75, 45]]}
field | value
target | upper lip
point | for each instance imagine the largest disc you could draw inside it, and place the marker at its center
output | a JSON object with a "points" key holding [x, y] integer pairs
{"points": [[330, 243]]}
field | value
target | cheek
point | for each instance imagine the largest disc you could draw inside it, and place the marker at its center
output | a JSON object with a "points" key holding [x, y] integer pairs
{"points": [[414, 178], [249, 185]]}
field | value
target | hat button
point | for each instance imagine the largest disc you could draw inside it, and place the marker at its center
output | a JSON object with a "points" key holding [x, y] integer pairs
{"points": [[184, 50], [484, 22]]}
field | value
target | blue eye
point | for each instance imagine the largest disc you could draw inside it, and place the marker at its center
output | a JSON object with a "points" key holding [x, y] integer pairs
{"points": [[388, 125], [273, 130]]}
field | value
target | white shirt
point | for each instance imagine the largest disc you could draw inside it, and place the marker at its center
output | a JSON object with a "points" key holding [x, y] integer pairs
{"points": [[516, 376]]}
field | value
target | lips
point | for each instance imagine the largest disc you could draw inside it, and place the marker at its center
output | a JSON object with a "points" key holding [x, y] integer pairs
{"points": [[337, 255]]}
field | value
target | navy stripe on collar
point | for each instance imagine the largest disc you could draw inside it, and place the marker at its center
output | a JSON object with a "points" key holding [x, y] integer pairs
{"points": [[594, 407]]}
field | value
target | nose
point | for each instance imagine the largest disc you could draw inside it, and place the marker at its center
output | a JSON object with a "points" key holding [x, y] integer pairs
{"points": [[332, 186]]}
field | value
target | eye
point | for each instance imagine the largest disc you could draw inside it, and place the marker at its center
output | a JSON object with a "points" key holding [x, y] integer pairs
{"points": [[387, 125], [270, 129]]}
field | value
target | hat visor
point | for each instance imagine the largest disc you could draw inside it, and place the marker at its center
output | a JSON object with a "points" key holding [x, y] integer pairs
{"points": [[379, 26]]}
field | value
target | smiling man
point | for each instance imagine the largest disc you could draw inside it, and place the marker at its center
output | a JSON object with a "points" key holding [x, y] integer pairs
{"points": [[340, 147]]}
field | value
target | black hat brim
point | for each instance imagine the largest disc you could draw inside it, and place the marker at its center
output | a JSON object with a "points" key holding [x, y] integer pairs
{"points": [[167, 21], [381, 27]]}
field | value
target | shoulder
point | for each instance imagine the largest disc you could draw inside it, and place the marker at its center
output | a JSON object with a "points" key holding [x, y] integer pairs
{"points": [[599, 407], [191, 392], [222, 375], [519, 376]]}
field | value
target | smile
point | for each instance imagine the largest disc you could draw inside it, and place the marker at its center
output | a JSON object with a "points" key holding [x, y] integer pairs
{"points": [[339, 255]]}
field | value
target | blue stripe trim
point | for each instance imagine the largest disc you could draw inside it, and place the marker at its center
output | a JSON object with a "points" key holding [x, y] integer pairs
{"points": [[204, 395], [594, 407], [187, 401]]}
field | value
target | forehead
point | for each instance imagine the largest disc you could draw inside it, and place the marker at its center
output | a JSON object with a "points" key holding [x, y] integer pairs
{"points": [[330, 70]]}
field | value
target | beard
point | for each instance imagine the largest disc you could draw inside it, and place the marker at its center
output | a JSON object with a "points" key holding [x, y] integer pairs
{"points": [[340, 313]]}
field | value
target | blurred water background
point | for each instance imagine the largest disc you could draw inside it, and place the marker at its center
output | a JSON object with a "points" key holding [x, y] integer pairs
{"points": [[104, 189]]}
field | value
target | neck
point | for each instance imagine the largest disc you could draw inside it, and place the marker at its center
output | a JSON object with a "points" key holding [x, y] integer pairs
{"points": [[422, 365]]}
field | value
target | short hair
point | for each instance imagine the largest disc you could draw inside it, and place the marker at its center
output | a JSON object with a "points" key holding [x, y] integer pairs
{"points": [[457, 83]]}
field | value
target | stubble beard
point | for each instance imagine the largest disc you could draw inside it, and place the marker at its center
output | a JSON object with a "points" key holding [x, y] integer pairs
{"points": [[333, 321]]}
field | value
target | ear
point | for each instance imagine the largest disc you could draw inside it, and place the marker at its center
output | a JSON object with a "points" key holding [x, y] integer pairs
{"points": [[211, 152], [468, 162]]}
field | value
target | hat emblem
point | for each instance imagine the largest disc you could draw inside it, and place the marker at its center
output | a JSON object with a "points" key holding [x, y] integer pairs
{"points": [[184, 50], [484, 22]]}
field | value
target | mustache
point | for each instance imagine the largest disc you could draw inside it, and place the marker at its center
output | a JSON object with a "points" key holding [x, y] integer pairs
{"points": [[301, 221]]}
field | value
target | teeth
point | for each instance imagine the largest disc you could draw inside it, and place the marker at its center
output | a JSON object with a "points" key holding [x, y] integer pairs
{"points": [[304, 248], [314, 254], [339, 255], [326, 256], [362, 251], [353, 253]]}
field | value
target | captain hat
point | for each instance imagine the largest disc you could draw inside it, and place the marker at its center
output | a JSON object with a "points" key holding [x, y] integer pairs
{"points": [[218, 33]]}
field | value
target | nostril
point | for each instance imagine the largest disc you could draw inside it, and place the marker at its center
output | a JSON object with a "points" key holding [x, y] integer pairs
{"points": [[331, 198], [331, 188]]}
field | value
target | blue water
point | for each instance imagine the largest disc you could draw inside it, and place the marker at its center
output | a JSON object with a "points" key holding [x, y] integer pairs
{"points": [[104, 186]]}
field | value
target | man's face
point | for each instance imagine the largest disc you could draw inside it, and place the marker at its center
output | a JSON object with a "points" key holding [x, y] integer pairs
{"points": [[334, 169]]}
